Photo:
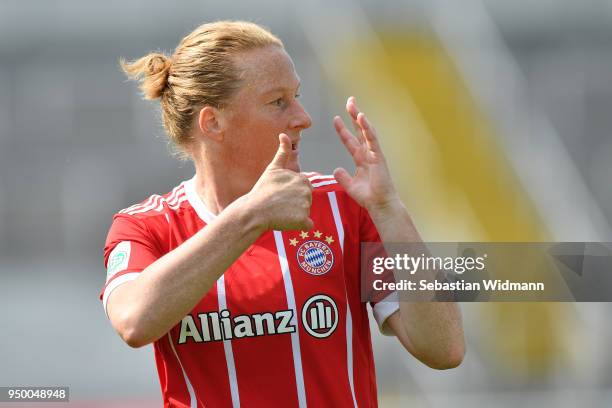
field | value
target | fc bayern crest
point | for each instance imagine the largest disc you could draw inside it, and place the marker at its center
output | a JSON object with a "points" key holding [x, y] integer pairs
{"points": [[315, 257]]}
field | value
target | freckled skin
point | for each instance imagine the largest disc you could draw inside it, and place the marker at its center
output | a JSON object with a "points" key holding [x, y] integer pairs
{"points": [[264, 106]]}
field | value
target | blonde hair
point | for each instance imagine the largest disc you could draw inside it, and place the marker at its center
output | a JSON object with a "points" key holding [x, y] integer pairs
{"points": [[200, 72]]}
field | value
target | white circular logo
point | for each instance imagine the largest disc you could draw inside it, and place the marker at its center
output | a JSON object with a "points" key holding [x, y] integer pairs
{"points": [[320, 316]]}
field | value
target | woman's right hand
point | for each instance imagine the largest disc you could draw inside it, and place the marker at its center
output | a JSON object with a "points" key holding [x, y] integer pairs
{"points": [[281, 198]]}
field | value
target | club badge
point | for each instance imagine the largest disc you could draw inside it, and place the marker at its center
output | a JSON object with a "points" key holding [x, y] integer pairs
{"points": [[315, 257]]}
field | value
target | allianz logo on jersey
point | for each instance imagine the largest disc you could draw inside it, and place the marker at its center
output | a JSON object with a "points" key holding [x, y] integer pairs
{"points": [[319, 319]]}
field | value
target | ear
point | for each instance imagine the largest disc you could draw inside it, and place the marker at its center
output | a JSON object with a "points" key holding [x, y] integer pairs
{"points": [[209, 123]]}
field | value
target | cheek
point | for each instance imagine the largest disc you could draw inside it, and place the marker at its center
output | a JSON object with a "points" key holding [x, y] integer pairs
{"points": [[263, 136], [256, 144], [254, 135]]}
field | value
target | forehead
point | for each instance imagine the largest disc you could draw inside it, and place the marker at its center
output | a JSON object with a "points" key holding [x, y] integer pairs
{"points": [[264, 69]]}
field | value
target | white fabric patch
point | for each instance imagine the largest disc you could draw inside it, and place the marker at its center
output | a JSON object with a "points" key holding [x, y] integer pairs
{"points": [[383, 309], [118, 259]]}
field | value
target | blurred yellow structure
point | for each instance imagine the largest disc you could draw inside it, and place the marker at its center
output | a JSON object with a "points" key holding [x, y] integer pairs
{"points": [[455, 179]]}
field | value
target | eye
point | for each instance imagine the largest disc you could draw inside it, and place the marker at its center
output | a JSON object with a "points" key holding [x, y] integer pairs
{"points": [[278, 102]]}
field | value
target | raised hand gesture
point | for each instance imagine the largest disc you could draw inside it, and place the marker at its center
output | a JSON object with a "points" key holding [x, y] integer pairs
{"points": [[371, 185]]}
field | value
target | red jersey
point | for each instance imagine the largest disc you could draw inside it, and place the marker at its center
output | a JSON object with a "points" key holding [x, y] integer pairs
{"points": [[283, 326]]}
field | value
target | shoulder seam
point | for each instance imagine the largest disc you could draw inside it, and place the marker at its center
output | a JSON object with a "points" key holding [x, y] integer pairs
{"points": [[156, 202], [324, 183], [320, 180]]}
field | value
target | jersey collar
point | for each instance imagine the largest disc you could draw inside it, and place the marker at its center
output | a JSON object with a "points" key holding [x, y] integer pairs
{"points": [[196, 202]]}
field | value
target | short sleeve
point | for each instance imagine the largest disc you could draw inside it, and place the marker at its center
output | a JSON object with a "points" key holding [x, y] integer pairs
{"points": [[383, 304], [129, 249]]}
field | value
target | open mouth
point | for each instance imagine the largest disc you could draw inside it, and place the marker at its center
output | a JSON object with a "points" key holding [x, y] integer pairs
{"points": [[293, 146]]}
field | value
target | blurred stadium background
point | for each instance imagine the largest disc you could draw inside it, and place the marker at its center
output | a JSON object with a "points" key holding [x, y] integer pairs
{"points": [[496, 116]]}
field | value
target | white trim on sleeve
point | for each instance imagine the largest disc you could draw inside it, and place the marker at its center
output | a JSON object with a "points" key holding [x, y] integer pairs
{"points": [[383, 309], [114, 284]]}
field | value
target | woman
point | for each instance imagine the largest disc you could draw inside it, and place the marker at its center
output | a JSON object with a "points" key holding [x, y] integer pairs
{"points": [[246, 277]]}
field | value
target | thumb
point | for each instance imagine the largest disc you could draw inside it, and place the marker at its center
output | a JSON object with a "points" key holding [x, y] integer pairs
{"points": [[281, 158], [309, 224], [342, 177]]}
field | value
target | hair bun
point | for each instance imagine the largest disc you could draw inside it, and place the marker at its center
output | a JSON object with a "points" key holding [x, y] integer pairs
{"points": [[157, 63], [152, 70]]}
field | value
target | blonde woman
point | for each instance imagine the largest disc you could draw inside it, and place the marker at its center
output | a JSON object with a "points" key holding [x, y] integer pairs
{"points": [[246, 277]]}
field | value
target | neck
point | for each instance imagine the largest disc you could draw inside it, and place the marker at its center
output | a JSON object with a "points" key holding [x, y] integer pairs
{"points": [[220, 185]]}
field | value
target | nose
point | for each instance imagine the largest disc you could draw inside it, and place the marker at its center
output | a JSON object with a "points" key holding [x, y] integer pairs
{"points": [[300, 119]]}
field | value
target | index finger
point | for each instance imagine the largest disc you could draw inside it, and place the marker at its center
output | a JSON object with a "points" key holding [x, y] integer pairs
{"points": [[353, 111], [369, 132]]}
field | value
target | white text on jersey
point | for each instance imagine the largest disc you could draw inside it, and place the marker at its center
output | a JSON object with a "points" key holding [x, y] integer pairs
{"points": [[216, 326]]}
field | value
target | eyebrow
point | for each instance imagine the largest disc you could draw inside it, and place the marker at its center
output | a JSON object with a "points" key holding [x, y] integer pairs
{"points": [[281, 89]]}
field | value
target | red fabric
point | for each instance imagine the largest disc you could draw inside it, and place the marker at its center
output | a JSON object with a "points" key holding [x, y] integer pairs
{"points": [[264, 364]]}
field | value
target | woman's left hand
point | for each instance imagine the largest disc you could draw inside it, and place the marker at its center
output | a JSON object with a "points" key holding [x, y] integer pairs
{"points": [[371, 185]]}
